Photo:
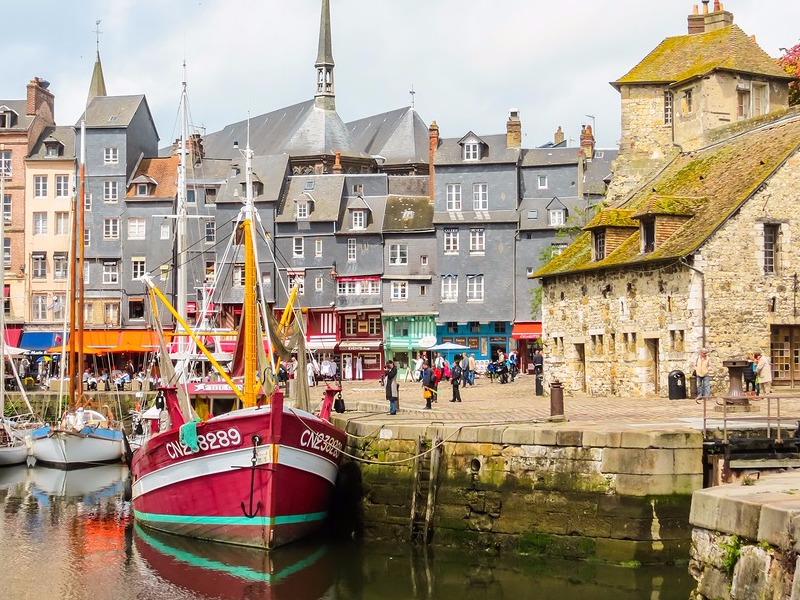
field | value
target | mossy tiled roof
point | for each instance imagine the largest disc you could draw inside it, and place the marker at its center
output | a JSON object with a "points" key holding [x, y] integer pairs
{"points": [[668, 205], [612, 217], [712, 183], [683, 57]]}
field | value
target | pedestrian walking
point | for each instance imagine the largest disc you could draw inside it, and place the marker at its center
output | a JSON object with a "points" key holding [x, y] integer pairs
{"points": [[427, 384], [392, 387], [455, 380], [763, 373], [702, 369]]}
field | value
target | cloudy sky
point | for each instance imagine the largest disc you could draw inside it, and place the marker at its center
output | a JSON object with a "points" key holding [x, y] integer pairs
{"points": [[468, 61]]}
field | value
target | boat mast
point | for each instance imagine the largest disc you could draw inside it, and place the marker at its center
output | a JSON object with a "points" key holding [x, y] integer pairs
{"points": [[3, 308], [181, 294], [250, 312], [75, 354]]}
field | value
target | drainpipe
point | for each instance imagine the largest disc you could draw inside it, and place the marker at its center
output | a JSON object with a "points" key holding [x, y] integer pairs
{"points": [[702, 299]]}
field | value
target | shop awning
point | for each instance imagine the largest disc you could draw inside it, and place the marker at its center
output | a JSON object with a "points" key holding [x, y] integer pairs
{"points": [[354, 345], [320, 343], [137, 340], [38, 341], [12, 335], [526, 331], [101, 341]]}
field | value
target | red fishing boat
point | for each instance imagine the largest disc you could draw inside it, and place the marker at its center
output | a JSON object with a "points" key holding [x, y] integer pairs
{"points": [[257, 473]]}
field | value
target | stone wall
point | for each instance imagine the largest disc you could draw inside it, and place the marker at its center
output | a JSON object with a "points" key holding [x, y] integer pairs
{"points": [[616, 496]]}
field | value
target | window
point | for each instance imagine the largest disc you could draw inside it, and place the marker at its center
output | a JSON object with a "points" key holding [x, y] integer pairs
{"points": [[541, 182], [40, 223], [191, 197], [743, 104], [318, 248], [477, 241], [165, 229], [398, 254], [667, 107], [110, 191], [297, 246], [86, 271], [351, 249], [110, 272], [450, 288], [687, 102], [302, 210], [296, 279], [141, 189], [556, 217], [40, 186], [359, 219], [58, 306], [60, 266], [7, 207], [401, 328], [452, 327], [138, 269], [318, 283], [474, 327], [533, 214], [111, 313], [62, 186], [350, 325], [480, 196], [211, 232], [136, 228], [238, 274], [423, 290], [499, 327], [62, 223], [39, 307], [399, 290], [309, 184], [88, 312], [365, 287], [760, 99], [6, 253], [771, 232], [599, 238], [453, 196], [87, 202], [374, 324], [110, 156], [358, 188], [474, 288], [210, 271], [648, 235], [87, 237], [423, 260], [5, 163], [39, 266], [135, 308], [111, 228], [451, 241], [472, 151], [163, 272]]}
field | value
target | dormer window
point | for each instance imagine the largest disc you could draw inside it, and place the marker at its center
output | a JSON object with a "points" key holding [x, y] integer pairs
{"points": [[556, 217], [52, 147], [6, 117], [142, 189], [302, 210], [599, 243], [472, 151], [648, 232], [359, 219]]}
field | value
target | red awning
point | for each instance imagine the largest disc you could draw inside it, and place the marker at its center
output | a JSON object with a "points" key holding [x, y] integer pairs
{"points": [[526, 331], [13, 335]]}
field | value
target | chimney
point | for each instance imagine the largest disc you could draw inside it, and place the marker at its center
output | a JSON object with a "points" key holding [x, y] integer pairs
{"points": [[558, 136], [587, 142], [39, 95], [433, 138], [337, 163], [709, 21], [697, 22], [513, 130]]}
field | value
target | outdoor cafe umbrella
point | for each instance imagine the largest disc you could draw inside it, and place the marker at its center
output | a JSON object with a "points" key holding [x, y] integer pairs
{"points": [[447, 348]]}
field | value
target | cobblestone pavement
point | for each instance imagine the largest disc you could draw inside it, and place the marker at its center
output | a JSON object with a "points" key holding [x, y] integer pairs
{"points": [[517, 402]]}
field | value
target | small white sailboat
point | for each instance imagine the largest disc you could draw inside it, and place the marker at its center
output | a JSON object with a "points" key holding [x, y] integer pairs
{"points": [[83, 436]]}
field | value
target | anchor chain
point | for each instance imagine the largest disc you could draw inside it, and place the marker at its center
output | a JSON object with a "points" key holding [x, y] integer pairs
{"points": [[253, 461]]}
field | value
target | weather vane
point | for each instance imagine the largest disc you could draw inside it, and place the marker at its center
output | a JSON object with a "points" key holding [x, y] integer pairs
{"points": [[412, 92], [97, 33]]}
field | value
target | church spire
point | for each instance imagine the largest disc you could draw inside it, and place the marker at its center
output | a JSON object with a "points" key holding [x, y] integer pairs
{"points": [[325, 97], [97, 87]]}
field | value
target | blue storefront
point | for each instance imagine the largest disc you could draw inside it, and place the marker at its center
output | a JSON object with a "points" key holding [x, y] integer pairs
{"points": [[484, 340]]}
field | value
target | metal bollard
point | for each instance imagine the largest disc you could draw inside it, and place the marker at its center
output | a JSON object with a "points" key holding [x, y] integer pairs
{"points": [[539, 386], [556, 401]]}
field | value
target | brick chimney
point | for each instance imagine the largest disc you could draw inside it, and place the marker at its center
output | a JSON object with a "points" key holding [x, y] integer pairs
{"points": [[433, 137], [38, 97], [513, 130], [558, 136], [587, 141], [709, 21]]}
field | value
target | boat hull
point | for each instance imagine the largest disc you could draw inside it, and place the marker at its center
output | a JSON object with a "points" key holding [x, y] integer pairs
{"points": [[257, 479], [15, 454], [67, 448]]}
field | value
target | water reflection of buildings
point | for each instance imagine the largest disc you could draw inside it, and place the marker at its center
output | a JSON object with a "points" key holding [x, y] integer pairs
{"points": [[295, 572]]}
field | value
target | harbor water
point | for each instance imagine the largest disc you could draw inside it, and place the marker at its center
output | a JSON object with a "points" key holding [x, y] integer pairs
{"points": [[71, 535]]}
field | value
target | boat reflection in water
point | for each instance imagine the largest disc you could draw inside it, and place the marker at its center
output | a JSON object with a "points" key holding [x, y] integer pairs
{"points": [[303, 570], [88, 484]]}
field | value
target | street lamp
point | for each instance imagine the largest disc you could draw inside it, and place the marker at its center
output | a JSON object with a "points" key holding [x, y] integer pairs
{"points": [[332, 274]]}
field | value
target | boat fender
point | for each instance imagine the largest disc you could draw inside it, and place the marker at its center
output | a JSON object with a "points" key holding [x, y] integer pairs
{"points": [[338, 404], [160, 402]]}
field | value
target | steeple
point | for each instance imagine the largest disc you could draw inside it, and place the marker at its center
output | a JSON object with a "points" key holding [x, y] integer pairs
{"points": [[97, 87], [325, 97]]}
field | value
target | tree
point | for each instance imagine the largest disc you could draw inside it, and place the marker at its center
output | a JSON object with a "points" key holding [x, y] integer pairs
{"points": [[790, 62]]}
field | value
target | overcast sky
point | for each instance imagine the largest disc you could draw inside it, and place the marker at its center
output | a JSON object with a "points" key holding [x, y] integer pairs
{"points": [[469, 61]]}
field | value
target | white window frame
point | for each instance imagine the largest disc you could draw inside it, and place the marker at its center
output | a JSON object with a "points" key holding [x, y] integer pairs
{"points": [[40, 186], [60, 266], [472, 151], [477, 240], [165, 231], [318, 284], [39, 267], [110, 273], [142, 189], [40, 223], [111, 313], [480, 196], [7, 207], [352, 249], [453, 196], [398, 254], [299, 279], [111, 228], [541, 182], [399, 291], [5, 163], [62, 223], [210, 232], [301, 211], [137, 228], [450, 288], [475, 288], [39, 307], [556, 217], [87, 237], [59, 304], [451, 241], [62, 186], [298, 246], [110, 191], [318, 248], [111, 155], [359, 219], [138, 268]]}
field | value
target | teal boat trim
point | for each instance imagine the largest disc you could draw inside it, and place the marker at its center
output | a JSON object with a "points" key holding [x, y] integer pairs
{"points": [[231, 520]]}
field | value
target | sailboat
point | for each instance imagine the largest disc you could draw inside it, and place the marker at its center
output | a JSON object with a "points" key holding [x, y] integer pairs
{"points": [[84, 436], [261, 474]]}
